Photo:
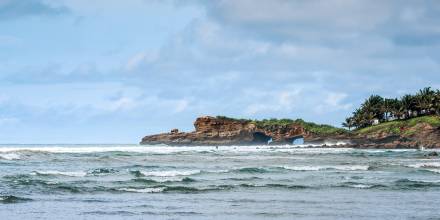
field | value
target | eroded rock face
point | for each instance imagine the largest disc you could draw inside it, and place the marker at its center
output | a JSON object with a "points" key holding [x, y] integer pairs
{"points": [[215, 131]]}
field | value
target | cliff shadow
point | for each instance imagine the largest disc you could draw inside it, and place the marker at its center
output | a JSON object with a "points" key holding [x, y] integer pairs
{"points": [[261, 138]]}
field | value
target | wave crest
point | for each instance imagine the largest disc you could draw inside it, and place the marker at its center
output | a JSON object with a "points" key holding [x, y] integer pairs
{"points": [[165, 173], [60, 173], [10, 156], [328, 167]]}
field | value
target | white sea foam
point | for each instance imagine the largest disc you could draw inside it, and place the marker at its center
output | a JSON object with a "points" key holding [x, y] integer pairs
{"points": [[327, 143], [60, 173], [425, 165], [170, 173], [168, 149], [328, 167], [163, 149], [360, 186], [144, 190], [216, 171], [10, 156], [163, 179]]}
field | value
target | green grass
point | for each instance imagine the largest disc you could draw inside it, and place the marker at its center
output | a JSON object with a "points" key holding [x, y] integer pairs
{"points": [[221, 117], [321, 129], [268, 123], [273, 123], [394, 127]]}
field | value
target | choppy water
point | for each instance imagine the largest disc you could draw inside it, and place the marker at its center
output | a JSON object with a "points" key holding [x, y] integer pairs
{"points": [[250, 182]]}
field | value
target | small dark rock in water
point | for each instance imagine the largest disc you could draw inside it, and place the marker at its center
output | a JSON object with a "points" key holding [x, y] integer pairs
{"points": [[432, 154]]}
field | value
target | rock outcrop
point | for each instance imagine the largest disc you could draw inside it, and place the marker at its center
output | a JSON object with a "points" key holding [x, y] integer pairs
{"points": [[225, 131], [218, 131]]}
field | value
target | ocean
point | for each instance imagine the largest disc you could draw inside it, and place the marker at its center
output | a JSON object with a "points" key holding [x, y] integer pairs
{"points": [[203, 182]]}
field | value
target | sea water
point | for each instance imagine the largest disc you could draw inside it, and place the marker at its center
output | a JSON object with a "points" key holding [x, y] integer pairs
{"points": [[205, 182]]}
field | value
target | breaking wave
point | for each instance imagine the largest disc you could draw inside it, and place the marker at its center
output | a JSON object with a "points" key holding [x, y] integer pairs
{"points": [[10, 156], [169, 173], [425, 165], [122, 150], [59, 173], [328, 167]]}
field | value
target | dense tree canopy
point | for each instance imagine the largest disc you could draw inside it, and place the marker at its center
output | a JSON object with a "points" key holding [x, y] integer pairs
{"points": [[378, 109]]}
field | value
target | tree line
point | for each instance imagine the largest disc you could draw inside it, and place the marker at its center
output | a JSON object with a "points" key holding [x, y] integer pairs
{"points": [[377, 109]]}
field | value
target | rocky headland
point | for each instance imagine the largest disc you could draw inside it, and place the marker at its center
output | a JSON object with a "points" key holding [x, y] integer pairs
{"points": [[220, 131]]}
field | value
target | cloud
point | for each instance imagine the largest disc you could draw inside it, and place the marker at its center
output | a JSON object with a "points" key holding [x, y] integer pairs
{"points": [[333, 102], [12, 9], [8, 120], [139, 60], [181, 105], [340, 20], [314, 59], [79, 101], [6, 40], [293, 58]]}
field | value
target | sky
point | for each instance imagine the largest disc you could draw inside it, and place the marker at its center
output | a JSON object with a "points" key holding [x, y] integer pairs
{"points": [[112, 71]]}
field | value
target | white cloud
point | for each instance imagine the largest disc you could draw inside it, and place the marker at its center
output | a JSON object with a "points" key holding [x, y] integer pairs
{"points": [[140, 59], [181, 105], [121, 104], [8, 120], [272, 101], [333, 102]]}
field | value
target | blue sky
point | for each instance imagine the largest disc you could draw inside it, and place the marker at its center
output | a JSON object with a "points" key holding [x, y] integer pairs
{"points": [[108, 71]]}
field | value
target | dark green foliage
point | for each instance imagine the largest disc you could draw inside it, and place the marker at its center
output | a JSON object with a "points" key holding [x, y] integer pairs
{"points": [[273, 123], [221, 117], [320, 129], [376, 108], [268, 123]]}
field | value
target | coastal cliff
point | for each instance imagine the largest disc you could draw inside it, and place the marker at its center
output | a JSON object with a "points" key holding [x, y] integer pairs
{"points": [[220, 131], [228, 131]]}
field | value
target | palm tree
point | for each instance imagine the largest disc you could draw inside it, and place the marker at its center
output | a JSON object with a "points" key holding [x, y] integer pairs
{"points": [[424, 100], [349, 122], [400, 110], [408, 104], [357, 118], [374, 105]]}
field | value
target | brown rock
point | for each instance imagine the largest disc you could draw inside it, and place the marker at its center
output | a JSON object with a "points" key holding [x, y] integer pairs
{"points": [[225, 131]]}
